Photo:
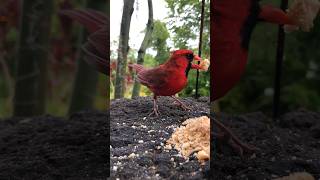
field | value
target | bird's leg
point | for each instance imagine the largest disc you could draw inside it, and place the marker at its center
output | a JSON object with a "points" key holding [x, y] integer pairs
{"points": [[231, 139], [181, 103], [155, 107]]}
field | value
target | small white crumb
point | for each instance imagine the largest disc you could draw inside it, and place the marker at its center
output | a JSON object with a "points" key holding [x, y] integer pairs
{"points": [[150, 131], [133, 127], [132, 155], [114, 168], [143, 126], [172, 159], [161, 144], [152, 141], [157, 175], [144, 118], [140, 141], [168, 146]]}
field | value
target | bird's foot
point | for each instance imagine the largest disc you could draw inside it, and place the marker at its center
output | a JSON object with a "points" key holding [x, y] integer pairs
{"points": [[228, 137], [155, 111], [181, 104], [237, 145]]}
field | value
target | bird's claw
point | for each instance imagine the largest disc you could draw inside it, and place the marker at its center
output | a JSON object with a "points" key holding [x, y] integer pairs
{"points": [[233, 141], [240, 147], [156, 112], [186, 108], [183, 106]]}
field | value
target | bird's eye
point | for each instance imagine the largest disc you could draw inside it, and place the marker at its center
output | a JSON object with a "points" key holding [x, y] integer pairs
{"points": [[190, 57]]}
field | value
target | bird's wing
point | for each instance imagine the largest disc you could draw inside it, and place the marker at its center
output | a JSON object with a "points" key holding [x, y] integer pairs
{"points": [[137, 67], [153, 78], [91, 19], [96, 50]]}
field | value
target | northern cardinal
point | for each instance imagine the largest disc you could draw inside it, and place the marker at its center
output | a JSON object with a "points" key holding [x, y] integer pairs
{"points": [[169, 78], [97, 46], [232, 24]]}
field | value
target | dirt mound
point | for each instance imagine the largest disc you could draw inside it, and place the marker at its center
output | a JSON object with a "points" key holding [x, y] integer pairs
{"points": [[291, 145], [48, 147], [138, 140]]}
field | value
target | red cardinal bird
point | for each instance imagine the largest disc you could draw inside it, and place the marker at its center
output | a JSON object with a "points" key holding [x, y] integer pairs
{"points": [[98, 44], [169, 78], [232, 25]]}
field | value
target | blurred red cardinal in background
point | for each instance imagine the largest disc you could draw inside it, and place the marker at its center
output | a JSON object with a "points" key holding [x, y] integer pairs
{"points": [[98, 44], [168, 78], [232, 24]]}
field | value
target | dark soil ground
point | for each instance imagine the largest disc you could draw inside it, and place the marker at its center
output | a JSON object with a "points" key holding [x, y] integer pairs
{"points": [[54, 148], [132, 131], [290, 145], [48, 147]]}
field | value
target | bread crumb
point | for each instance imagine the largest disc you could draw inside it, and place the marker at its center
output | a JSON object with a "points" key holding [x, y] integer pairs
{"points": [[192, 136], [303, 13], [132, 155], [204, 64]]}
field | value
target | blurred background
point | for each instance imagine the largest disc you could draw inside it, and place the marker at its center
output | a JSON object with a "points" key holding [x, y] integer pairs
{"points": [[300, 77], [58, 41], [176, 25]]}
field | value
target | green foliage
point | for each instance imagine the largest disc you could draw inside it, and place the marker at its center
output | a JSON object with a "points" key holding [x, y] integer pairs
{"points": [[160, 35]]}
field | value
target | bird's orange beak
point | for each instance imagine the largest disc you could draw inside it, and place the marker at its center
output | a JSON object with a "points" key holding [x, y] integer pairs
{"points": [[274, 15], [196, 66]]}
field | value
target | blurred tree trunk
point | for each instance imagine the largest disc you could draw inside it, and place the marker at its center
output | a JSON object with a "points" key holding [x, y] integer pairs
{"points": [[32, 58], [144, 45], [108, 79], [123, 48], [86, 78]]}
